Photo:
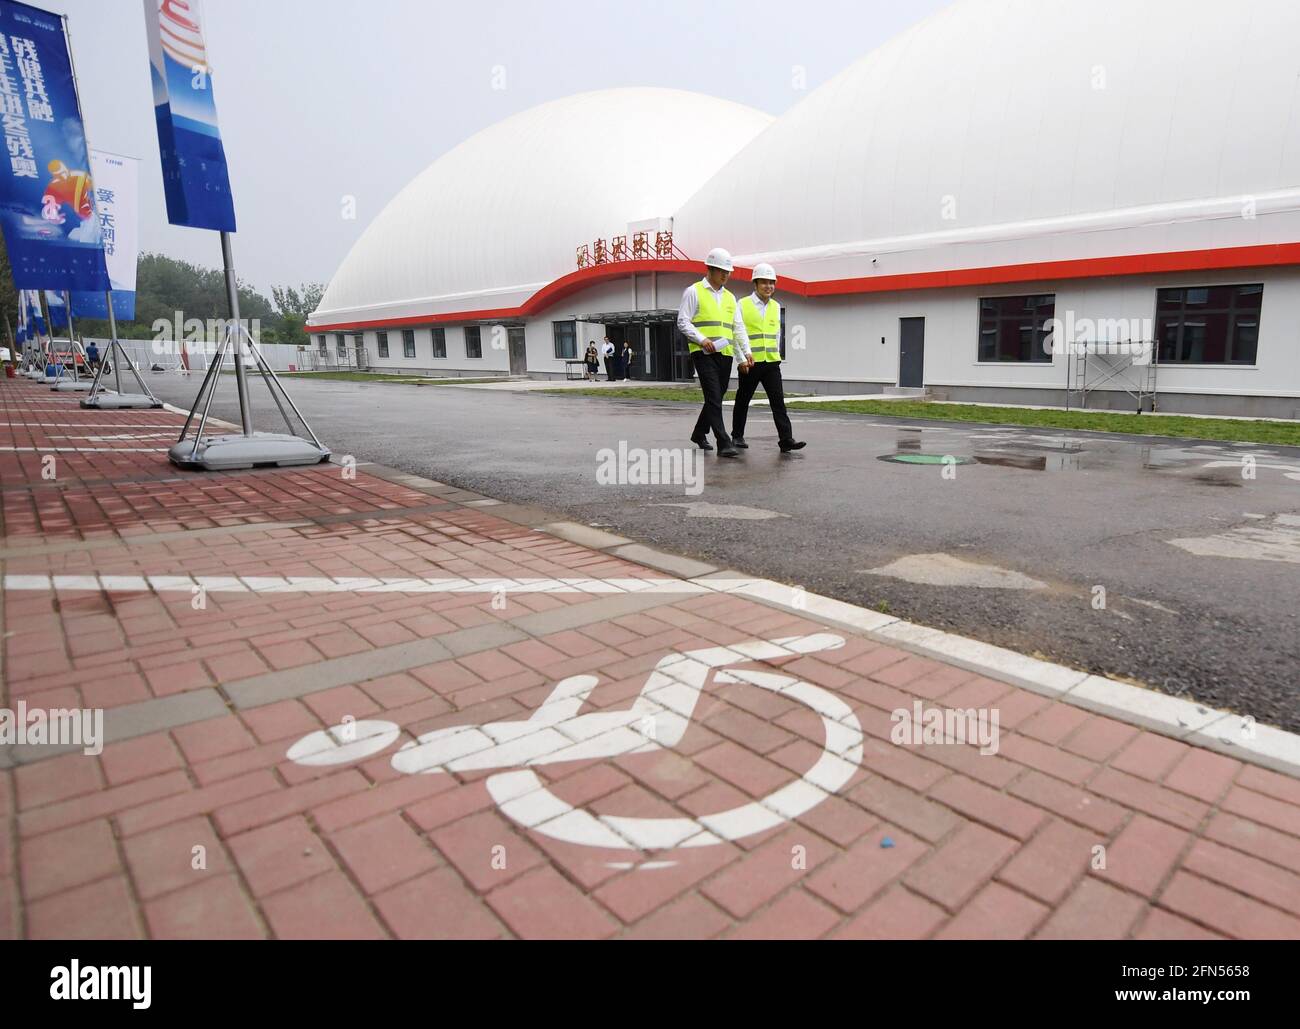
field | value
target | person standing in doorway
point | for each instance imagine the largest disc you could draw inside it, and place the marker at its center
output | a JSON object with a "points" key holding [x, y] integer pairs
{"points": [[710, 320], [762, 317], [628, 356], [608, 350]]}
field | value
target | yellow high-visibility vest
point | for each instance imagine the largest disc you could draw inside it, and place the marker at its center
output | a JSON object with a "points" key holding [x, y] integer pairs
{"points": [[763, 329], [715, 320]]}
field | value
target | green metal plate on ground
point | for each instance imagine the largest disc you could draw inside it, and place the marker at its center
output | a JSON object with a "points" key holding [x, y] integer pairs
{"points": [[926, 459]]}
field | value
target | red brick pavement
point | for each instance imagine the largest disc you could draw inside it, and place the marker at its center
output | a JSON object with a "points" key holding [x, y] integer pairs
{"points": [[1078, 826]]}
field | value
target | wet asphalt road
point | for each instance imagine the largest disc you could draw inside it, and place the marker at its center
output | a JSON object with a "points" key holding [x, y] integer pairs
{"points": [[1074, 512]]}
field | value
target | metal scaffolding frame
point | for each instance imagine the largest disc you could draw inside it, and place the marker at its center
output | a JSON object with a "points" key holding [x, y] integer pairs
{"points": [[1112, 367]]}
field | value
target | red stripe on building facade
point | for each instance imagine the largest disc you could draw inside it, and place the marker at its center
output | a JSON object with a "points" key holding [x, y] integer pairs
{"points": [[1263, 256]]}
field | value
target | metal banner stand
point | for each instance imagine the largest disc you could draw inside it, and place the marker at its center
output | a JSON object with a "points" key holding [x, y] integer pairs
{"points": [[33, 354], [36, 359], [31, 344], [106, 399], [37, 370], [30, 360], [51, 355], [76, 384], [246, 449], [47, 350]]}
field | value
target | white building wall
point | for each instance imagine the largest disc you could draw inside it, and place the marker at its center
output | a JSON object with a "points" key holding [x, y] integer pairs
{"points": [[842, 336], [495, 361], [850, 343]]}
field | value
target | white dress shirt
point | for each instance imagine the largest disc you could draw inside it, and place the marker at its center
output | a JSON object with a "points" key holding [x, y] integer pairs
{"points": [[691, 306]]}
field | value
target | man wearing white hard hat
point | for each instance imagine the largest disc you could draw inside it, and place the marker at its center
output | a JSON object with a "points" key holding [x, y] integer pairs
{"points": [[709, 318], [762, 317]]}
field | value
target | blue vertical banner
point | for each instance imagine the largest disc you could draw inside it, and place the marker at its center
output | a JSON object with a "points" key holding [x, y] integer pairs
{"points": [[34, 316], [195, 180], [47, 197], [58, 314]]}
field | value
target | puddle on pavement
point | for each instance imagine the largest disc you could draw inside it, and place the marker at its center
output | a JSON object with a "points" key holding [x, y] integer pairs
{"points": [[1213, 479], [1208, 464], [1027, 462]]}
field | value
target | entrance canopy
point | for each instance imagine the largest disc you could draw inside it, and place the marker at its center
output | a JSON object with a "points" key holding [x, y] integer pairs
{"points": [[661, 352], [662, 314]]}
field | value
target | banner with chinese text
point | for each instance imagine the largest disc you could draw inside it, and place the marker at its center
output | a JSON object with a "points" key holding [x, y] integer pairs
{"points": [[117, 194], [47, 204]]}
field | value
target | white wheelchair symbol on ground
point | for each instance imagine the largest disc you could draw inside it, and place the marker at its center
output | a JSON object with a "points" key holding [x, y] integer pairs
{"points": [[657, 719]]}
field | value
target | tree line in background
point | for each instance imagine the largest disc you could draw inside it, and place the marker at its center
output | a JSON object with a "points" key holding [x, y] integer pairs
{"points": [[166, 286]]}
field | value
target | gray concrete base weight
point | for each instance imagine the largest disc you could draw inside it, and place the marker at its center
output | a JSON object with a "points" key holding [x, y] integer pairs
{"points": [[118, 401], [69, 386], [221, 453]]}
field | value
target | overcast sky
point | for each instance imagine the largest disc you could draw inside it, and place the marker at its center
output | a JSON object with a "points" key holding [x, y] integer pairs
{"points": [[323, 99]]}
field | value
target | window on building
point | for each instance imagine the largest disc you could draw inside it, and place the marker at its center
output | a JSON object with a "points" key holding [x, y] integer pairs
{"points": [[320, 343], [340, 347], [473, 341], [381, 342], [439, 342], [566, 339], [1209, 324], [1014, 328], [408, 343]]}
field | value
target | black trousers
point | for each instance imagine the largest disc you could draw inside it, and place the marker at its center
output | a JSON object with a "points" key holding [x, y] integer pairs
{"points": [[714, 372], [768, 375]]}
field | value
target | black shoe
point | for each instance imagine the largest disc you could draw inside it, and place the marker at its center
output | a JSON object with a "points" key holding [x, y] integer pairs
{"points": [[702, 442], [788, 445], [728, 452], [739, 441]]}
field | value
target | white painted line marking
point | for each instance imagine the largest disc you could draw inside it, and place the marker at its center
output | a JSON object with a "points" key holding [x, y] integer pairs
{"points": [[320, 584], [83, 450], [171, 430]]}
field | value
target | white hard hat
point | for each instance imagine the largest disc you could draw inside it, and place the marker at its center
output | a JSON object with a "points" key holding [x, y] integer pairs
{"points": [[719, 258], [764, 271]]}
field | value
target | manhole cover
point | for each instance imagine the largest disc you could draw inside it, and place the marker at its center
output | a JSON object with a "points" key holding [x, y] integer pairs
{"points": [[926, 459]]}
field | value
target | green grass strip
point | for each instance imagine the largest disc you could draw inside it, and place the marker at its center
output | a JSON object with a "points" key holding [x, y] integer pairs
{"points": [[1280, 433], [680, 394], [400, 380], [1227, 429]]}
